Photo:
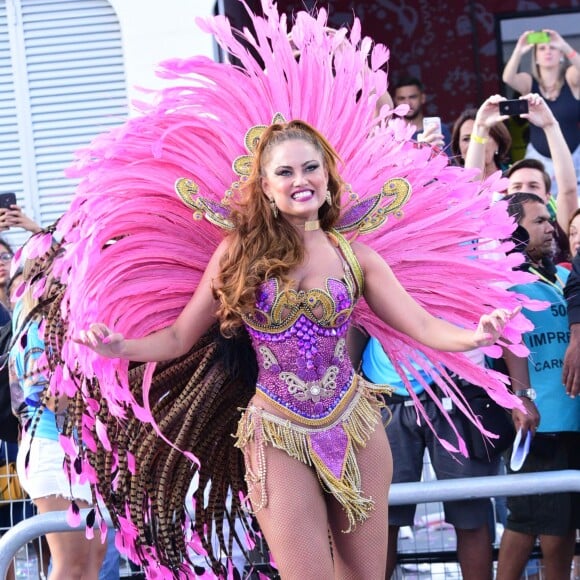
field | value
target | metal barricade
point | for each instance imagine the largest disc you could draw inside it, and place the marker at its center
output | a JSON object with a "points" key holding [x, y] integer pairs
{"points": [[428, 549], [400, 494], [15, 505]]}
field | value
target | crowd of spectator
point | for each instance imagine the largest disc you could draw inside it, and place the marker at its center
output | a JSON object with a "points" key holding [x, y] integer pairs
{"points": [[542, 196]]}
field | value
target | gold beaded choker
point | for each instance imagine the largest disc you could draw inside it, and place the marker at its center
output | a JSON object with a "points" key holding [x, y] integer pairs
{"points": [[312, 225]]}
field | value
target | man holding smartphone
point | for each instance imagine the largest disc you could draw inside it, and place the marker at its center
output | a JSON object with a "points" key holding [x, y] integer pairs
{"points": [[410, 91]]}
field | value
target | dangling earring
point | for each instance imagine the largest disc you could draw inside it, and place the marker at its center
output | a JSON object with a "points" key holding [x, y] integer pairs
{"points": [[328, 197], [274, 208]]}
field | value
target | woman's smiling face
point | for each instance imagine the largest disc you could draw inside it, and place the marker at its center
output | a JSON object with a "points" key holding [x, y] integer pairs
{"points": [[296, 179]]}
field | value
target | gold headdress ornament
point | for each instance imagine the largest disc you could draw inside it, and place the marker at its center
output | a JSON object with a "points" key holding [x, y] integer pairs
{"points": [[218, 213], [371, 213], [243, 165], [362, 216]]}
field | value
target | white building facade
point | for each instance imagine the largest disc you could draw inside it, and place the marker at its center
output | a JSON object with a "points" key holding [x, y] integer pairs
{"points": [[68, 71]]}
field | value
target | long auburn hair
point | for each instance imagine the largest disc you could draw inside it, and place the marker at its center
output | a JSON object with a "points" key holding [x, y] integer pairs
{"points": [[263, 246]]}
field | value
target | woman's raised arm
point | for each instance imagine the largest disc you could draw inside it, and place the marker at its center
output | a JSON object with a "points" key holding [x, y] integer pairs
{"points": [[395, 306], [519, 81]]}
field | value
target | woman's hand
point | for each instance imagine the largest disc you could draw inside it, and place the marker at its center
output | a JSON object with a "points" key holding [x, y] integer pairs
{"points": [[18, 219], [488, 113], [557, 41], [539, 114], [102, 340], [4, 219], [522, 45], [491, 326]]}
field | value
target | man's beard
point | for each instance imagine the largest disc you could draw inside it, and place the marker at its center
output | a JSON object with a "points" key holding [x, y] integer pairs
{"points": [[539, 254], [412, 115], [554, 249]]}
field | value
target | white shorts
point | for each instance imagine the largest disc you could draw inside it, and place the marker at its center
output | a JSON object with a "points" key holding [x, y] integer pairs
{"points": [[46, 475]]}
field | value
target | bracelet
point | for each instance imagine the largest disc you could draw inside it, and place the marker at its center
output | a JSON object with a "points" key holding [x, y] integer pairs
{"points": [[571, 54], [478, 139], [527, 393]]}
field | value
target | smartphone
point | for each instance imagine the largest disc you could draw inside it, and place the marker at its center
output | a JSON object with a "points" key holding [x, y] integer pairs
{"points": [[429, 122], [513, 107], [539, 37], [7, 199]]}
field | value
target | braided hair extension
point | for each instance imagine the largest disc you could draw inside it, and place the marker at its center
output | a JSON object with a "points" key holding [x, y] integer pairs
{"points": [[195, 401]]}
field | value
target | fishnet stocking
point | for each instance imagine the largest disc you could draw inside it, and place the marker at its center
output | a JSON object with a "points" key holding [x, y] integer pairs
{"points": [[294, 521], [362, 553], [299, 515]]}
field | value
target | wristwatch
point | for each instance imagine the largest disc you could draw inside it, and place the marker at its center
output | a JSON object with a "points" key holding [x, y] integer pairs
{"points": [[528, 393]]}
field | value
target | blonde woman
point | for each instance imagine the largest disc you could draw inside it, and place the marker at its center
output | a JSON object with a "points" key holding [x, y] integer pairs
{"points": [[555, 76]]}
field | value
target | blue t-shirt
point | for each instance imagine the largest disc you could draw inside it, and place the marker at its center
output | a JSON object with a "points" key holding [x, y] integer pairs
{"points": [[378, 368], [32, 382], [548, 343]]}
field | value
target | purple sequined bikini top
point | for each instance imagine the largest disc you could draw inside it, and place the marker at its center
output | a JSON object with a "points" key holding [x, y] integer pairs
{"points": [[300, 341]]}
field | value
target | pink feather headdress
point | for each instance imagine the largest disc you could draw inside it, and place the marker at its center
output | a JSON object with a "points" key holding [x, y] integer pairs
{"points": [[135, 255]]}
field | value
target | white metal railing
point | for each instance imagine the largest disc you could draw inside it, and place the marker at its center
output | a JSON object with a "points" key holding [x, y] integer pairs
{"points": [[400, 494]]}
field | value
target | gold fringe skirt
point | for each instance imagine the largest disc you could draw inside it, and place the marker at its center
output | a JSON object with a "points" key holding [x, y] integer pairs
{"points": [[358, 421]]}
